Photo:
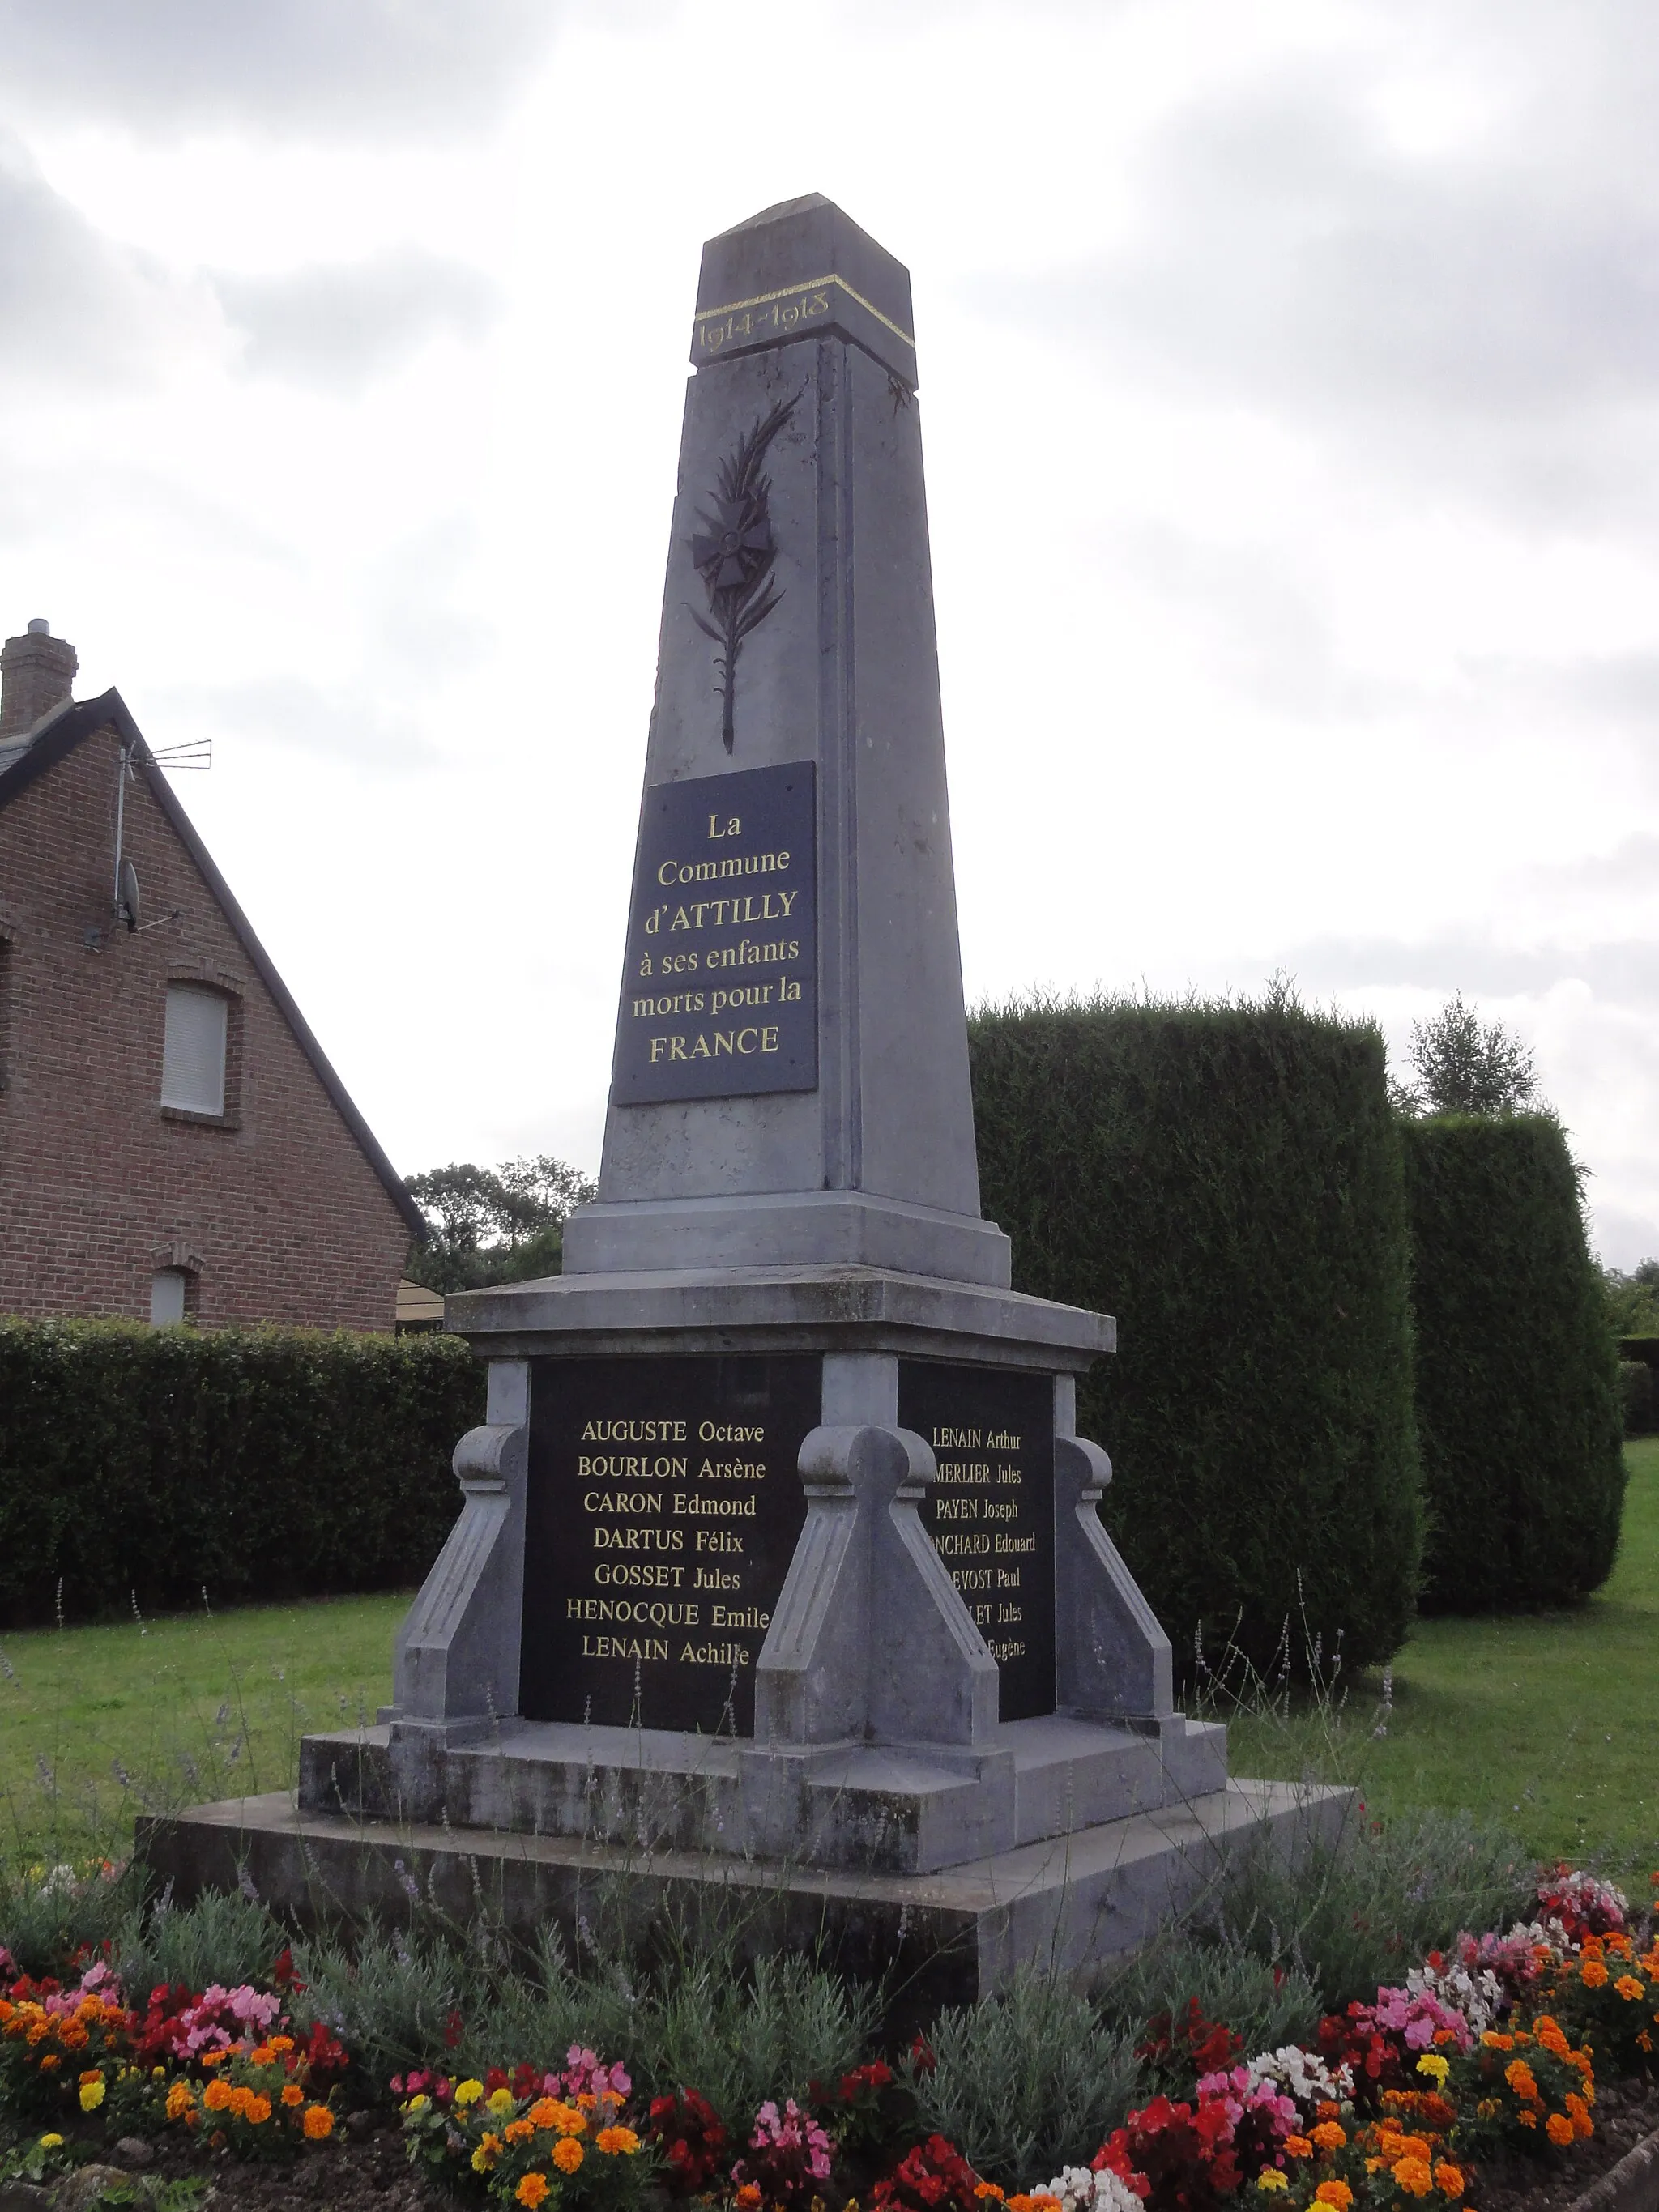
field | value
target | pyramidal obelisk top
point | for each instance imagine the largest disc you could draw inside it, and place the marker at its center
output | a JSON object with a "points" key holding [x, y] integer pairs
{"points": [[790, 1086]]}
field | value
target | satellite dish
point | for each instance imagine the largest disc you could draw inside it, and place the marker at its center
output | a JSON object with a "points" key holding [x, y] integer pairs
{"points": [[129, 898]]}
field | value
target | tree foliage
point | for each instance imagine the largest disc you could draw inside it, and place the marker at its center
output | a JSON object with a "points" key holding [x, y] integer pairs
{"points": [[1465, 1066], [256, 1463], [1226, 1179], [1518, 1403], [1631, 1301], [503, 1224]]}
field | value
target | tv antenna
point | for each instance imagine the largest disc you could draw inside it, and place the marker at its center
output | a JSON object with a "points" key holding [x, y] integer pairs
{"points": [[195, 753]]}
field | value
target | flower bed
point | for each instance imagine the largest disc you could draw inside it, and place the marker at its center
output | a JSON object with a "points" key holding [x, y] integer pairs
{"points": [[1488, 2061]]}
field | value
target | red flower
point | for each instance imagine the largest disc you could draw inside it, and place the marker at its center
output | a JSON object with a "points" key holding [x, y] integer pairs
{"points": [[452, 2031], [931, 2174]]}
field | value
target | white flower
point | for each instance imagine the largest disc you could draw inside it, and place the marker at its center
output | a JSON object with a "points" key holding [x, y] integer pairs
{"points": [[1081, 2190], [1300, 2074]]}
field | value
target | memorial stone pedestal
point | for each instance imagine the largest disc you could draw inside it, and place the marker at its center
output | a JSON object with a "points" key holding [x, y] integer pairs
{"points": [[779, 1567]]}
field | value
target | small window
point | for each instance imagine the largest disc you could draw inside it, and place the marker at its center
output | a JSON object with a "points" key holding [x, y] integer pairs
{"points": [[166, 1297], [193, 1055]]}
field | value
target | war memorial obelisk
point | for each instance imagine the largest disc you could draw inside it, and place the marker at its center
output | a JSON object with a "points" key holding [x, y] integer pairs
{"points": [[779, 1559]]}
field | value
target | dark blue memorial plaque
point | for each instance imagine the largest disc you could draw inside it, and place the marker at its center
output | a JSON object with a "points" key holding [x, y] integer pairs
{"points": [[991, 1511], [665, 1504], [720, 985]]}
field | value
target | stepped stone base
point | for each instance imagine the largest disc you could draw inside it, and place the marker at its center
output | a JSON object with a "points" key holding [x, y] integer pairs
{"points": [[949, 1937], [892, 1809]]}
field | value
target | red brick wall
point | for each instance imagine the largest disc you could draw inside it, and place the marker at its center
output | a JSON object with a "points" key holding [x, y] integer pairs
{"points": [[279, 1209]]}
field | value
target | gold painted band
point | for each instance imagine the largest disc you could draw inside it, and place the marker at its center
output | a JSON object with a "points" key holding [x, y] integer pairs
{"points": [[788, 292]]}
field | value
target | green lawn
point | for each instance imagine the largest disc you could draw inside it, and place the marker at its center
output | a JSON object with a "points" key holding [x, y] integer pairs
{"points": [[99, 1724], [1549, 1721]]}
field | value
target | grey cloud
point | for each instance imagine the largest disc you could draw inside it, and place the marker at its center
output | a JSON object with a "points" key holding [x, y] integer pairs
{"points": [[1625, 970], [79, 309], [290, 712], [336, 327], [1489, 315], [346, 69]]}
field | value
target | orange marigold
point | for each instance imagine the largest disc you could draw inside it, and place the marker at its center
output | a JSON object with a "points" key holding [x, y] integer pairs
{"points": [[1329, 2136], [1297, 2147], [181, 2098], [294, 2094], [1629, 1988], [532, 2190], [545, 2112], [1593, 1974], [566, 2154], [1527, 2117], [1449, 2178], [1558, 2128], [1494, 2041], [617, 2142], [217, 2095], [1578, 2113], [1414, 2176], [1520, 2077], [257, 2111], [1327, 2110], [317, 2123], [519, 2131], [1335, 2193], [748, 2196]]}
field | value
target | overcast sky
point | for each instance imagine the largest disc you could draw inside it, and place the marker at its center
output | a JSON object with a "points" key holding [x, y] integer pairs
{"points": [[1290, 385]]}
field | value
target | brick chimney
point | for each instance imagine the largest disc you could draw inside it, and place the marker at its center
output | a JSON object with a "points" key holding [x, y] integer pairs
{"points": [[36, 671]]}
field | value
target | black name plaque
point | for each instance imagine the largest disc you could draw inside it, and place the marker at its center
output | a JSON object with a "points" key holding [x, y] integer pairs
{"points": [[991, 1511], [720, 984], [664, 1507]]}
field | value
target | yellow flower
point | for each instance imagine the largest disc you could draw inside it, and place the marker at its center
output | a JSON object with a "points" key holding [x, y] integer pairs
{"points": [[1271, 2178], [92, 2093], [503, 2100], [417, 2104], [483, 2160], [467, 2093], [52, 2142], [566, 2154], [1435, 2067]]}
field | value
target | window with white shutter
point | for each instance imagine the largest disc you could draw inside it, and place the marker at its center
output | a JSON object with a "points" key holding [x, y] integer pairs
{"points": [[167, 1288], [193, 1053]]}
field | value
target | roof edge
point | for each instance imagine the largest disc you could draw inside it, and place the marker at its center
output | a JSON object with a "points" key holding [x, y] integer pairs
{"points": [[110, 711]]}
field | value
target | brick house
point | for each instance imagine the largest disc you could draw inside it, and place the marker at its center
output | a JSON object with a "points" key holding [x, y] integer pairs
{"points": [[173, 1142]]}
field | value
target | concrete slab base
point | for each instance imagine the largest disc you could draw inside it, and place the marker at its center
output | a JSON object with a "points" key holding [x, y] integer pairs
{"points": [[949, 1937]]}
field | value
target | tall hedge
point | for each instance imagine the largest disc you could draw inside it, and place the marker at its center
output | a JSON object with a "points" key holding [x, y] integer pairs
{"points": [[1517, 1383], [256, 1463], [1226, 1179]]}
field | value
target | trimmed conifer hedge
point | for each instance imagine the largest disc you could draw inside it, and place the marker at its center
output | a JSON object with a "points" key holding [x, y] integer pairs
{"points": [[1517, 1384], [255, 1463], [1226, 1179]]}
